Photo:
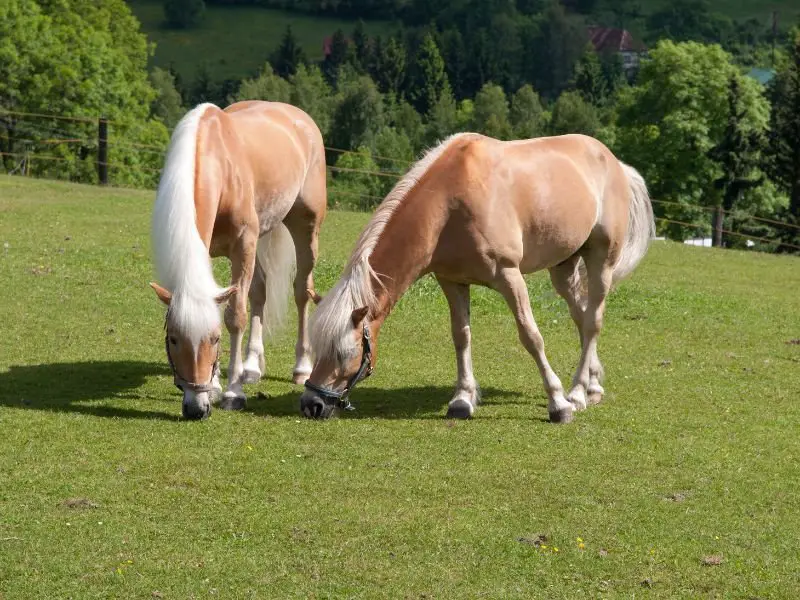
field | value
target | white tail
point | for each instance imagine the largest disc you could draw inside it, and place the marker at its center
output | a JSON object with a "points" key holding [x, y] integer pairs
{"points": [[641, 226], [276, 257]]}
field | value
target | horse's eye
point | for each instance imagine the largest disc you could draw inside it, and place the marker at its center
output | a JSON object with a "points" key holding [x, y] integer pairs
{"points": [[214, 340], [173, 340]]}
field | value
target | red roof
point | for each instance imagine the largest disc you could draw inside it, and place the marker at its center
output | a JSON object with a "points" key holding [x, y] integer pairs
{"points": [[611, 39]]}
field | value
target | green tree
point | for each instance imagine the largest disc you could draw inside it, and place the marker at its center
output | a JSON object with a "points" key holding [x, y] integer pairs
{"points": [[409, 122], [589, 80], [359, 113], [267, 85], [340, 54], [491, 112], [288, 56], [572, 114], [311, 92], [671, 120], [184, 14], [167, 106], [77, 58], [393, 153], [428, 79], [442, 119], [362, 47], [527, 115], [389, 66], [354, 185], [739, 154]]}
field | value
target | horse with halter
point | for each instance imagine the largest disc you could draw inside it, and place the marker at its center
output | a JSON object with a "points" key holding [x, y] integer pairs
{"points": [[248, 183], [478, 211]]}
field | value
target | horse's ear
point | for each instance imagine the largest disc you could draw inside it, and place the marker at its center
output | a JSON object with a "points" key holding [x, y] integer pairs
{"points": [[358, 315], [226, 294], [164, 295], [314, 296]]}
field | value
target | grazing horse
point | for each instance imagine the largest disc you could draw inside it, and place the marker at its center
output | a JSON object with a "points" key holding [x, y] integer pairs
{"points": [[248, 183], [476, 210]]}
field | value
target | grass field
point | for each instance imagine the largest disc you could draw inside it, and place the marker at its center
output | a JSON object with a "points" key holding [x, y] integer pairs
{"points": [[235, 41], [105, 493]]}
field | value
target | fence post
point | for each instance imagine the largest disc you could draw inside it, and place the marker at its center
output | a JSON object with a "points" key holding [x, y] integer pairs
{"points": [[102, 151], [716, 225]]}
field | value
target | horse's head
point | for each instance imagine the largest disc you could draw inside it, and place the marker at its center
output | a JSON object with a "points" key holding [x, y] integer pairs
{"points": [[339, 366], [192, 344]]}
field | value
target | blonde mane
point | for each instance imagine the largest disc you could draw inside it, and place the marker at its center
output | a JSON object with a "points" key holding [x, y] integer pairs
{"points": [[330, 324], [181, 258]]}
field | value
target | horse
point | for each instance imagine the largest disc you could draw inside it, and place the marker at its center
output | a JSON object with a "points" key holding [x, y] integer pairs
{"points": [[248, 183], [479, 211]]}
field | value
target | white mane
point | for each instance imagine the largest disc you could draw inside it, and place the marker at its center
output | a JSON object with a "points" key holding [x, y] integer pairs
{"points": [[330, 324], [181, 259]]}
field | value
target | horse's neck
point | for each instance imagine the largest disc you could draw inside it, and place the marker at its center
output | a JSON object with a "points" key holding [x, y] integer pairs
{"points": [[406, 246]]}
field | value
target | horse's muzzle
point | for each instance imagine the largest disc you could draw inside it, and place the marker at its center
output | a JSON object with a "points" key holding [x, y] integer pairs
{"points": [[193, 410], [314, 407]]}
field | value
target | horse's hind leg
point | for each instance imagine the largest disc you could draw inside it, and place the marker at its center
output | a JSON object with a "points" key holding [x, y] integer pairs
{"points": [[511, 285], [254, 363], [569, 282], [599, 271], [467, 395]]}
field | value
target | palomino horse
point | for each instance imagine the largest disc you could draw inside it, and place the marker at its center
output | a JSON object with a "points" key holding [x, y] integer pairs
{"points": [[480, 211], [247, 182]]}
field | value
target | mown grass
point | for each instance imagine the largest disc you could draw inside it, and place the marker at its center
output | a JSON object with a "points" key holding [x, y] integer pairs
{"points": [[693, 455], [234, 42]]}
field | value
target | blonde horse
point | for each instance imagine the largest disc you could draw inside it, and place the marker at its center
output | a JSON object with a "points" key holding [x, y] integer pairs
{"points": [[480, 211], [248, 183]]}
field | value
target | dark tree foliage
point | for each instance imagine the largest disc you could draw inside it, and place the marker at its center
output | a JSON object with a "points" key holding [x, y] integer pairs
{"points": [[427, 80], [288, 56], [340, 53]]}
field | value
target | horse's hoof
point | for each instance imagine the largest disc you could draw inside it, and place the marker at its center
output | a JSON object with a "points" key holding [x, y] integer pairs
{"points": [[251, 376], [300, 377], [561, 416], [594, 398], [460, 409], [233, 402]]}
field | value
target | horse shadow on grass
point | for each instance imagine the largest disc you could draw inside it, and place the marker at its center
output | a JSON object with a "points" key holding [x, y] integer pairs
{"points": [[82, 388], [413, 402]]}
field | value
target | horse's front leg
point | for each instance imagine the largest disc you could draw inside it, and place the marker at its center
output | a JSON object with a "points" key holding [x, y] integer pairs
{"points": [[468, 394], [243, 260]]}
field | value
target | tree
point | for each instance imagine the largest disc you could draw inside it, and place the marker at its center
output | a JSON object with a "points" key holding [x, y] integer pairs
{"points": [[340, 53], [490, 115], [409, 122], [389, 70], [354, 186], [455, 58], [311, 92], [393, 153], [683, 20], [442, 119], [288, 56], [428, 80], [184, 14], [358, 115], [572, 114], [77, 58], [671, 120], [784, 136], [167, 105], [785, 126], [362, 47], [739, 155], [589, 80], [265, 86], [527, 115]]}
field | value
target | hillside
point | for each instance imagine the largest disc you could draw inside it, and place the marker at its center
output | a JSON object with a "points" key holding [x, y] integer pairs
{"points": [[234, 41]]}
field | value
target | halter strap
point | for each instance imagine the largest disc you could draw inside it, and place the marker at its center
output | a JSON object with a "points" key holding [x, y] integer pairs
{"points": [[184, 384], [337, 398]]}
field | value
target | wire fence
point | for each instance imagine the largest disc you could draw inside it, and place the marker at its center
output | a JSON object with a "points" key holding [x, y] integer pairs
{"points": [[36, 137]]}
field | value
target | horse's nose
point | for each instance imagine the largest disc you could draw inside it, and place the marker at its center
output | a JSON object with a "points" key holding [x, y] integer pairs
{"points": [[194, 411], [313, 407]]}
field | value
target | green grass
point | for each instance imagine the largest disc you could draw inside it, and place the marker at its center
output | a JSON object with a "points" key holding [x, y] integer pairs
{"points": [[235, 41], [693, 454]]}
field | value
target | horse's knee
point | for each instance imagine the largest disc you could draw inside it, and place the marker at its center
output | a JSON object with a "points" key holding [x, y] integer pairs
{"points": [[235, 317]]}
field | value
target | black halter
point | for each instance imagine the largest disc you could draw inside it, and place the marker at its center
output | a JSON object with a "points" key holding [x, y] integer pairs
{"points": [[339, 398], [184, 384]]}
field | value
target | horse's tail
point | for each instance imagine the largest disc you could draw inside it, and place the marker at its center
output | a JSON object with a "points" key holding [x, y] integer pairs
{"points": [[276, 258], [178, 250], [641, 226]]}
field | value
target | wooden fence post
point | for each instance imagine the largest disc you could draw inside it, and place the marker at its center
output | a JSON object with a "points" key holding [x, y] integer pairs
{"points": [[717, 219], [102, 151]]}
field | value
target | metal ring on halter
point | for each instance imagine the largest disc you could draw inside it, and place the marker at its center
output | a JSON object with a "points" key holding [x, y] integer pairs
{"points": [[183, 384], [339, 399]]}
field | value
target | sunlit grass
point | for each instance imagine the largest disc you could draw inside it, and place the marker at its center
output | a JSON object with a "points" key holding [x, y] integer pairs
{"points": [[105, 492]]}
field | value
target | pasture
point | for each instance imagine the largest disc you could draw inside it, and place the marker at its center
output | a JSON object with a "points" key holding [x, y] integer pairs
{"points": [[685, 482]]}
